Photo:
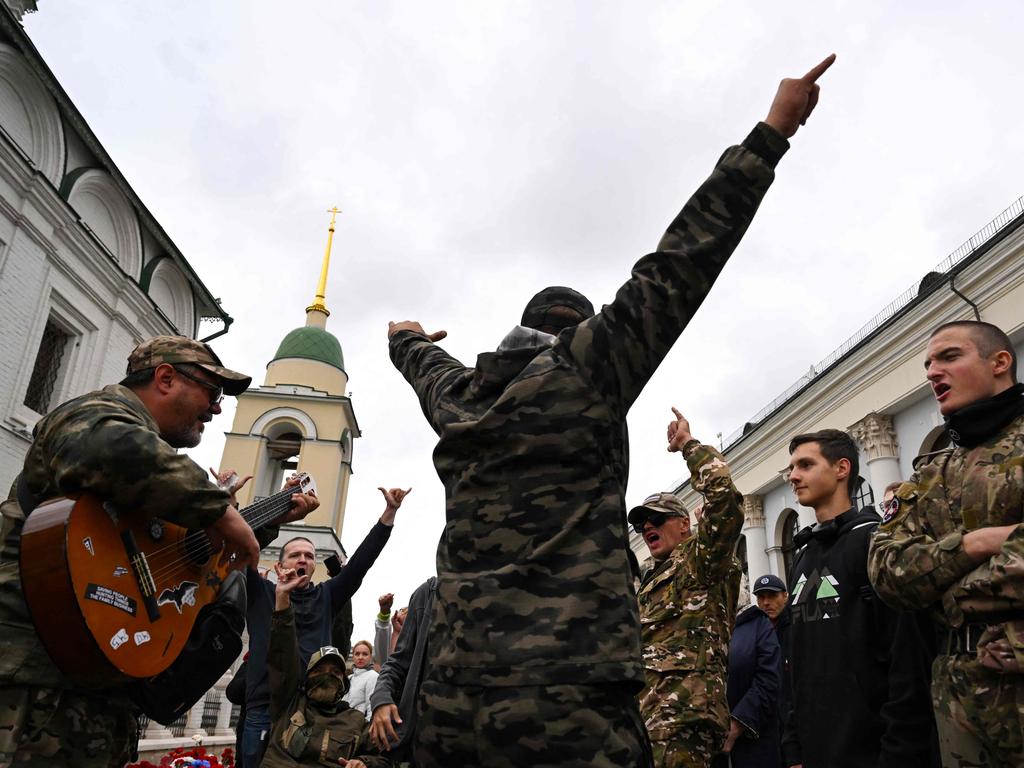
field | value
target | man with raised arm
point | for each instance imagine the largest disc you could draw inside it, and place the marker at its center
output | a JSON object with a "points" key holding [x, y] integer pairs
{"points": [[535, 645], [314, 608], [952, 542], [688, 608]]}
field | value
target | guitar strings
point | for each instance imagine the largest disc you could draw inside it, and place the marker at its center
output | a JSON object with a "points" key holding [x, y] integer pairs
{"points": [[256, 514]]}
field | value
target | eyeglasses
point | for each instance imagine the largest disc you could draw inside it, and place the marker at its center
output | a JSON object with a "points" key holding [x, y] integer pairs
{"points": [[218, 392], [657, 519]]}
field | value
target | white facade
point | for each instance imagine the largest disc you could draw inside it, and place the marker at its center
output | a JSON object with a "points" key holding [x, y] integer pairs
{"points": [[86, 272], [874, 388]]}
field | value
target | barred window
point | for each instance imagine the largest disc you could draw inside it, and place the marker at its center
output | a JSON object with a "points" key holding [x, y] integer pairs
{"points": [[52, 350]]}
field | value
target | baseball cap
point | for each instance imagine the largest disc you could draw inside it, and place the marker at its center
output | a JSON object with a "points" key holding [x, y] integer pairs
{"points": [[537, 309], [323, 654], [665, 503], [181, 349], [768, 583]]}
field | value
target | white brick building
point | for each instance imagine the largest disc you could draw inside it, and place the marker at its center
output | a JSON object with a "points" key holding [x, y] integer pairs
{"points": [[86, 271]]}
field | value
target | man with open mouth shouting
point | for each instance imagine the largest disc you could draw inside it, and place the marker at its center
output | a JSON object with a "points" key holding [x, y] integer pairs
{"points": [[688, 607], [952, 542]]}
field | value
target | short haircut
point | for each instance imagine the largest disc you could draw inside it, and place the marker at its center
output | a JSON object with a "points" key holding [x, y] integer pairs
{"points": [[367, 643], [892, 487], [988, 338], [834, 445], [280, 557]]}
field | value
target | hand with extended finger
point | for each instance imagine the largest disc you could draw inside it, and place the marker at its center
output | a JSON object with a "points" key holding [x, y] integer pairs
{"points": [[796, 99], [287, 581], [228, 480], [393, 497], [412, 325], [678, 432], [382, 726]]}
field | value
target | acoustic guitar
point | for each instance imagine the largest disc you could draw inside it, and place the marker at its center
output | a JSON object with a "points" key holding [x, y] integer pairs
{"points": [[114, 595]]}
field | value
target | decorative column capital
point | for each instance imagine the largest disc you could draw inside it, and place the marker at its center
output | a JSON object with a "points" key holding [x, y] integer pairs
{"points": [[877, 436], [753, 511]]}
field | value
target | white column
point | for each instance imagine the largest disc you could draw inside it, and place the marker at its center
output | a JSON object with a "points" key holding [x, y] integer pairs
{"points": [[877, 436], [194, 721], [757, 540], [224, 711]]}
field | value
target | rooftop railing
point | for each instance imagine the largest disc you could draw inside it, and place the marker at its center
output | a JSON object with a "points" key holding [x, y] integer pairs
{"points": [[982, 236]]}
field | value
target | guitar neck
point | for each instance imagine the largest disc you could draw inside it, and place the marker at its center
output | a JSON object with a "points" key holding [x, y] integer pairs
{"points": [[260, 513]]}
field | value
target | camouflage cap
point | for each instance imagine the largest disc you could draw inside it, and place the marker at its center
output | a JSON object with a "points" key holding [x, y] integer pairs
{"points": [[323, 654], [665, 503], [538, 308], [181, 349]]}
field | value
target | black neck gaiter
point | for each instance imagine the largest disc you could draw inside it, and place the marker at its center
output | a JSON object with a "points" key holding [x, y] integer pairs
{"points": [[975, 423]]}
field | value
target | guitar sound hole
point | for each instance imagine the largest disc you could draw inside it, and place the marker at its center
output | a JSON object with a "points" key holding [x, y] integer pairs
{"points": [[198, 548]]}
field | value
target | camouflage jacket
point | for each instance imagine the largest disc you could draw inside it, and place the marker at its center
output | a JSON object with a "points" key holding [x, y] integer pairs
{"points": [[534, 586], [104, 443], [688, 608], [917, 558], [300, 732]]}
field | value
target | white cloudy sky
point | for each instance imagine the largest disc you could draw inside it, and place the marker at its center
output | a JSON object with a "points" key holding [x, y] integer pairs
{"points": [[483, 150]]}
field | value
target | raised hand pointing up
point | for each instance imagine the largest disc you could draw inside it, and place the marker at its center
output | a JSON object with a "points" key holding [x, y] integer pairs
{"points": [[795, 100]]}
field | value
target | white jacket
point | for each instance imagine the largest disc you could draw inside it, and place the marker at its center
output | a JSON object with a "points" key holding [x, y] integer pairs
{"points": [[360, 686]]}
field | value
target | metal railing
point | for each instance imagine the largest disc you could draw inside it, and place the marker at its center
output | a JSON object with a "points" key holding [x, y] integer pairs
{"points": [[982, 236]]}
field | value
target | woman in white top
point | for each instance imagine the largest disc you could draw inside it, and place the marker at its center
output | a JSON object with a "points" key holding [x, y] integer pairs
{"points": [[363, 679]]}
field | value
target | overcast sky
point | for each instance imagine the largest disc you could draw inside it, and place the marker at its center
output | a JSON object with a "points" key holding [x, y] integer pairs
{"points": [[483, 150]]}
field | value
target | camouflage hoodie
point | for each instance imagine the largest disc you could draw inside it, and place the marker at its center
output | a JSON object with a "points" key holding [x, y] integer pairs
{"points": [[534, 585]]}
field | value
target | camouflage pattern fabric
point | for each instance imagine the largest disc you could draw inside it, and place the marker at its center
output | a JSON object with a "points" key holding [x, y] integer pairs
{"points": [[687, 611], [175, 350], [570, 726], [106, 443], [301, 733], [917, 560], [534, 583], [695, 748], [978, 714], [49, 728]]}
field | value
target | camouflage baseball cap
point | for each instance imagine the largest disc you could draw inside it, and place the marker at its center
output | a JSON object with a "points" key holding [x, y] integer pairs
{"points": [[538, 308], [665, 503], [323, 654], [181, 349]]}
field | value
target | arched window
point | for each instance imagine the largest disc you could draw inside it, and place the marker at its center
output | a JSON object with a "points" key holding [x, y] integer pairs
{"points": [[863, 496]]}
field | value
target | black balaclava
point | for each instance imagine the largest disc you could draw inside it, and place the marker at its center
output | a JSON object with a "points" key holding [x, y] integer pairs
{"points": [[538, 312]]}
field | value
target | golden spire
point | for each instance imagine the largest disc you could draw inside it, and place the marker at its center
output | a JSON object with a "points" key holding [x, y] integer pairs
{"points": [[321, 288]]}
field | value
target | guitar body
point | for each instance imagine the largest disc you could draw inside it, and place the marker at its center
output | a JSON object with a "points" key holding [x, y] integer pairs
{"points": [[101, 620]]}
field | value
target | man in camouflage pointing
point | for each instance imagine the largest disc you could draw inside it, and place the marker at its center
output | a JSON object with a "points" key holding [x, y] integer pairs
{"points": [[535, 645]]}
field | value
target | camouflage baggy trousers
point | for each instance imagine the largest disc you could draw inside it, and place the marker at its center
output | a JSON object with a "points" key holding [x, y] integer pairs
{"points": [[694, 747], [979, 714], [52, 727], [529, 727]]}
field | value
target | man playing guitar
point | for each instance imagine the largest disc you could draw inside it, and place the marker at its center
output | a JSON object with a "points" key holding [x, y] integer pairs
{"points": [[119, 444]]}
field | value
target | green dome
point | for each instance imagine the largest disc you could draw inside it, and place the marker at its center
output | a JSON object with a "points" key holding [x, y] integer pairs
{"points": [[312, 344]]}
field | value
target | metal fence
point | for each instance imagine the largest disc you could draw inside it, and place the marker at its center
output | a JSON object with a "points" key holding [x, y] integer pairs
{"points": [[982, 236]]}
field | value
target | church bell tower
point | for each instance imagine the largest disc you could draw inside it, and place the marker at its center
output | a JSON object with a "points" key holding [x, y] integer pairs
{"points": [[300, 419]]}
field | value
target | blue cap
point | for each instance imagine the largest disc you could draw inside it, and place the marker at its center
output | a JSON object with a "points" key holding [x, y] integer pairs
{"points": [[769, 583]]}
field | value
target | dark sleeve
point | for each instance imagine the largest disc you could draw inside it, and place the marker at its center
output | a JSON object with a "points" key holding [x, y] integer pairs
{"points": [[107, 448], [909, 735], [791, 740], [283, 662], [395, 670], [621, 346], [266, 534], [762, 697], [428, 368], [341, 629], [235, 690], [345, 584]]}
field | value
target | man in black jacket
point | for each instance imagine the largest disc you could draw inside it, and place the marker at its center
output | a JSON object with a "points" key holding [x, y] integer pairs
{"points": [[842, 634]]}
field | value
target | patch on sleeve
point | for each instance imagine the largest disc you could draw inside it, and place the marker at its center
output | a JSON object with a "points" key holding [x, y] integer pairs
{"points": [[891, 510]]}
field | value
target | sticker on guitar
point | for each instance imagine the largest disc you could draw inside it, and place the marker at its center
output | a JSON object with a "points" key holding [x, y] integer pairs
{"points": [[181, 595]]}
